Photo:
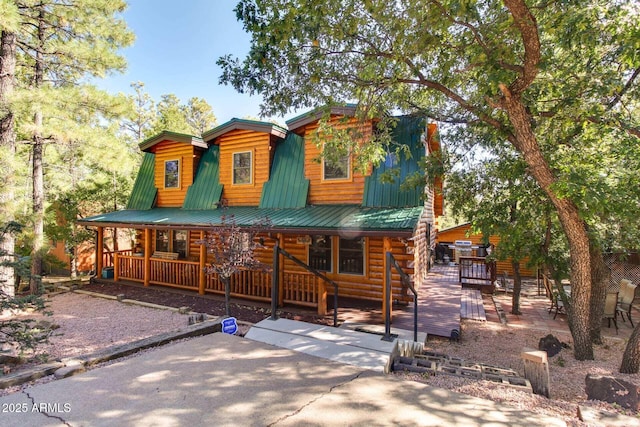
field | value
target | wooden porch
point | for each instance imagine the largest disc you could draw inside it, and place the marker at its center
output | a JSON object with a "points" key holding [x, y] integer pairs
{"points": [[442, 302], [299, 288]]}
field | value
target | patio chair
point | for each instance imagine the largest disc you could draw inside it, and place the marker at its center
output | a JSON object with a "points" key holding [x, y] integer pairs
{"points": [[625, 299], [610, 309], [556, 302], [504, 283]]}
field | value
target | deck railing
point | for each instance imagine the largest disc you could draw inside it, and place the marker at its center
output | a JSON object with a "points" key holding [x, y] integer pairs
{"points": [[298, 287], [477, 271], [108, 257]]}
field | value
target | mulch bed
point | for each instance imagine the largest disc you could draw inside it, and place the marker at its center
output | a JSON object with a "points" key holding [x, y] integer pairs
{"points": [[247, 311]]}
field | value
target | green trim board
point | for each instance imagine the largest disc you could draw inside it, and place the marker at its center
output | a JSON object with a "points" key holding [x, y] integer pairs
{"points": [[143, 195], [287, 187], [328, 219], [206, 190]]}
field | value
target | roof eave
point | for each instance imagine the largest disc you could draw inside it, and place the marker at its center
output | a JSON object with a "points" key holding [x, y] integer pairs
{"points": [[317, 113], [173, 136], [252, 125]]}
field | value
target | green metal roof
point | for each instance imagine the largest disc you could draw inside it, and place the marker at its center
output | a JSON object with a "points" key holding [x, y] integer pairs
{"points": [[329, 219], [408, 131], [287, 187], [206, 190], [144, 191]]}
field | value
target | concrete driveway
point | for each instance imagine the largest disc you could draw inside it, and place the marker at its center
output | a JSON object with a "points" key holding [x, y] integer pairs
{"points": [[224, 380]]}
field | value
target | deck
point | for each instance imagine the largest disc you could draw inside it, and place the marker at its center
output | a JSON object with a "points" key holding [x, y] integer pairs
{"points": [[441, 304]]}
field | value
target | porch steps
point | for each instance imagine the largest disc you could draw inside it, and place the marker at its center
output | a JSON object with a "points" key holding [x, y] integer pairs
{"points": [[402, 334], [362, 349]]}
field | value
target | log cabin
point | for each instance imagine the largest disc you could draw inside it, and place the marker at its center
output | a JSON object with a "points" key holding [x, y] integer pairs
{"points": [[331, 218]]}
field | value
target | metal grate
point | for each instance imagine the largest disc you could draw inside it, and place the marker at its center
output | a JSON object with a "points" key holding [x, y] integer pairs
{"points": [[622, 268]]}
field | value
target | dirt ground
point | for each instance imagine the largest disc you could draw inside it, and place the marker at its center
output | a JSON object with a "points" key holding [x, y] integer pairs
{"points": [[89, 323]]}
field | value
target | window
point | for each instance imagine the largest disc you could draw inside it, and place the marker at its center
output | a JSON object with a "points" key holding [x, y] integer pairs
{"points": [[320, 253], [162, 241], [337, 169], [351, 256], [242, 168], [172, 241], [172, 174], [179, 242]]}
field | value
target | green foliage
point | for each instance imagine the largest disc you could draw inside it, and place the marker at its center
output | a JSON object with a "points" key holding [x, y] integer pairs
{"points": [[194, 118]]}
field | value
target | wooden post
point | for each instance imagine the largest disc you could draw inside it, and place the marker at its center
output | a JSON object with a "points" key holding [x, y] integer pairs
{"points": [[99, 251], [116, 267], [322, 296], [386, 299], [203, 263], [281, 273], [147, 256], [536, 370]]}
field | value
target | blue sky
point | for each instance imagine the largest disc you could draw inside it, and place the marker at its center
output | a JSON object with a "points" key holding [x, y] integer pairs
{"points": [[177, 45]]}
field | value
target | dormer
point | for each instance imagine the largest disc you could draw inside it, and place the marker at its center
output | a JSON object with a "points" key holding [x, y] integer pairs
{"points": [[246, 152], [331, 183], [176, 157]]}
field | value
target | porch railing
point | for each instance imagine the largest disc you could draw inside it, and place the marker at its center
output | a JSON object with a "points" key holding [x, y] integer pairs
{"points": [[108, 257], [298, 287], [477, 271]]}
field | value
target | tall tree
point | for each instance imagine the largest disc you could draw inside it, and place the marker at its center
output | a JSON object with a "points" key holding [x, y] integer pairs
{"points": [[8, 27], [192, 118], [199, 115], [538, 76], [142, 114], [61, 43]]}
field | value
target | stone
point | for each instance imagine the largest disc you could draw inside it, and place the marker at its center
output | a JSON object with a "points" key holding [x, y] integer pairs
{"points": [[613, 390], [550, 344]]}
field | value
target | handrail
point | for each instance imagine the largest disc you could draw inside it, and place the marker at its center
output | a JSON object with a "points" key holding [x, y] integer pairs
{"points": [[406, 281], [274, 289]]}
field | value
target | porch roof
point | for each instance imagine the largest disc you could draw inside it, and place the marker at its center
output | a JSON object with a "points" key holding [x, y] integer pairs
{"points": [[325, 219]]}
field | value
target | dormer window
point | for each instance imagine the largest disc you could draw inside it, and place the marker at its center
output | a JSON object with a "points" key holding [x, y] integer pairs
{"points": [[242, 167], [337, 169], [172, 174]]}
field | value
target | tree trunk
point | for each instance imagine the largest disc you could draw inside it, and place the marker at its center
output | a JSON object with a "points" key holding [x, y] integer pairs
{"points": [[38, 209], [517, 288], [37, 172], [8, 140], [599, 282], [524, 140], [227, 296], [631, 357]]}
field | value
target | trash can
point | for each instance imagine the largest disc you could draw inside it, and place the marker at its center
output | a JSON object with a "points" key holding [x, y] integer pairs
{"points": [[107, 273]]}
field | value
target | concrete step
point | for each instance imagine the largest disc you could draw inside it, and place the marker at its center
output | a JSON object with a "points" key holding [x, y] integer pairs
{"points": [[351, 347], [402, 334]]}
